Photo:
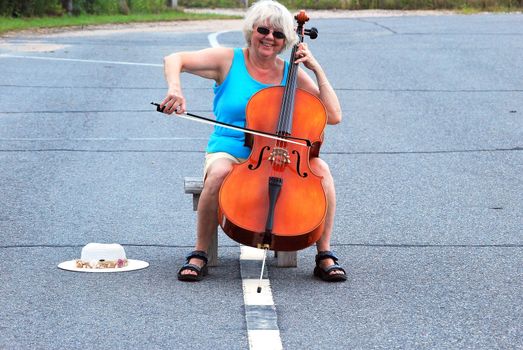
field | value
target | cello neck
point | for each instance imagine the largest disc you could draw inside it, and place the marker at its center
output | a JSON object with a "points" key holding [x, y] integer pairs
{"points": [[287, 105]]}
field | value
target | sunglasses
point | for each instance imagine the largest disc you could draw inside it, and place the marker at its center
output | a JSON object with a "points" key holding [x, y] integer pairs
{"points": [[266, 31]]}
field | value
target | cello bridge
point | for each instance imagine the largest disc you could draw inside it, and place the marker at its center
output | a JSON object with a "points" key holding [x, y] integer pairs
{"points": [[280, 155]]}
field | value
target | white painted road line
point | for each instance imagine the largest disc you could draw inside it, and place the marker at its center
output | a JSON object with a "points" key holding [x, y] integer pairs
{"points": [[60, 139], [213, 38], [265, 340], [80, 60], [260, 311]]}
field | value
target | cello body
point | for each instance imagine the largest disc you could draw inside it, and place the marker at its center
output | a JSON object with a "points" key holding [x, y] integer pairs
{"points": [[274, 200]]}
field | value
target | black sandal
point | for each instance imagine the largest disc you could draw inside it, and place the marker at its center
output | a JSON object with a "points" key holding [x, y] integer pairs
{"points": [[200, 271], [325, 274]]}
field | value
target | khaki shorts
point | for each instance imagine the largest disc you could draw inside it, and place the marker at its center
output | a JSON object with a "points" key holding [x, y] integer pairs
{"points": [[212, 157]]}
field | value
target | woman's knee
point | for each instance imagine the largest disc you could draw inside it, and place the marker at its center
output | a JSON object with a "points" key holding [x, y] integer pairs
{"points": [[216, 173], [320, 167]]}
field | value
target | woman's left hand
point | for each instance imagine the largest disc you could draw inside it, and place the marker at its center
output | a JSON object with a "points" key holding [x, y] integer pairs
{"points": [[304, 55]]}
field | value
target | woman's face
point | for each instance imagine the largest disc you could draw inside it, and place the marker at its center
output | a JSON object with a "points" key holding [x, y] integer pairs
{"points": [[267, 39]]}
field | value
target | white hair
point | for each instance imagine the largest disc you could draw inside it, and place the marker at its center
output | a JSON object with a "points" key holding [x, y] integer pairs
{"points": [[271, 12]]}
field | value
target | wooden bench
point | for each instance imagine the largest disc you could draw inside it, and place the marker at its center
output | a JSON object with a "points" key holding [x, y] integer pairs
{"points": [[194, 186]]}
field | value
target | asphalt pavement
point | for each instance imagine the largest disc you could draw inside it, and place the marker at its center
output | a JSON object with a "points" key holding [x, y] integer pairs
{"points": [[427, 162]]}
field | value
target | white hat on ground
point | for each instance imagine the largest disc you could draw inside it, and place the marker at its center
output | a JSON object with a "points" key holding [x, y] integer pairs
{"points": [[99, 257]]}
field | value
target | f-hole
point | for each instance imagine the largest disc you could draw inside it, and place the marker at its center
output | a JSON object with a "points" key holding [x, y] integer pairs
{"points": [[298, 162], [260, 158]]}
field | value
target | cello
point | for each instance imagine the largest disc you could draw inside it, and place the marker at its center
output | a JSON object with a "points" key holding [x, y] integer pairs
{"points": [[274, 200]]}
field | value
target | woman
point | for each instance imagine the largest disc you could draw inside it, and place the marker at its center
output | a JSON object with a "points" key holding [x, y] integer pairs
{"points": [[239, 73]]}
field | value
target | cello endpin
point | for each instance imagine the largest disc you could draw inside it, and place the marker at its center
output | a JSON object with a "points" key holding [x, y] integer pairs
{"points": [[265, 249]]}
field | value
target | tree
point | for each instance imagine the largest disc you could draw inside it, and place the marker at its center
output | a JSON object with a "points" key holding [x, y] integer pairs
{"points": [[68, 6], [123, 7]]}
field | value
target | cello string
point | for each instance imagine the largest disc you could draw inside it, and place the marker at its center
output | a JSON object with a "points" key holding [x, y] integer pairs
{"points": [[281, 117], [286, 115]]}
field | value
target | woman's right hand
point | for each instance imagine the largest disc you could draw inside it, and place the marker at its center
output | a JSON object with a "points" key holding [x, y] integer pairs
{"points": [[173, 102]]}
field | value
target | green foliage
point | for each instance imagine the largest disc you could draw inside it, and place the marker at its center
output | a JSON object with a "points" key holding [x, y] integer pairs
{"points": [[400, 4], [147, 6], [32, 8], [212, 3], [28, 8], [35, 8]]}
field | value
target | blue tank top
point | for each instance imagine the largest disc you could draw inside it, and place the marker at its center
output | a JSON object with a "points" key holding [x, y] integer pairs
{"points": [[230, 100]]}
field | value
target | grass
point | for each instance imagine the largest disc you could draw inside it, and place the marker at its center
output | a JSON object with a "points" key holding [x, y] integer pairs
{"points": [[14, 24], [493, 9]]}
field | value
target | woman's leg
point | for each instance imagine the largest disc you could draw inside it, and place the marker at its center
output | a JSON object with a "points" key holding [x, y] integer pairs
{"points": [[322, 169], [207, 214]]}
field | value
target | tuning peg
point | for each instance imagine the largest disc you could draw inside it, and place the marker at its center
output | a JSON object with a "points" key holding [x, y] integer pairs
{"points": [[312, 33]]}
